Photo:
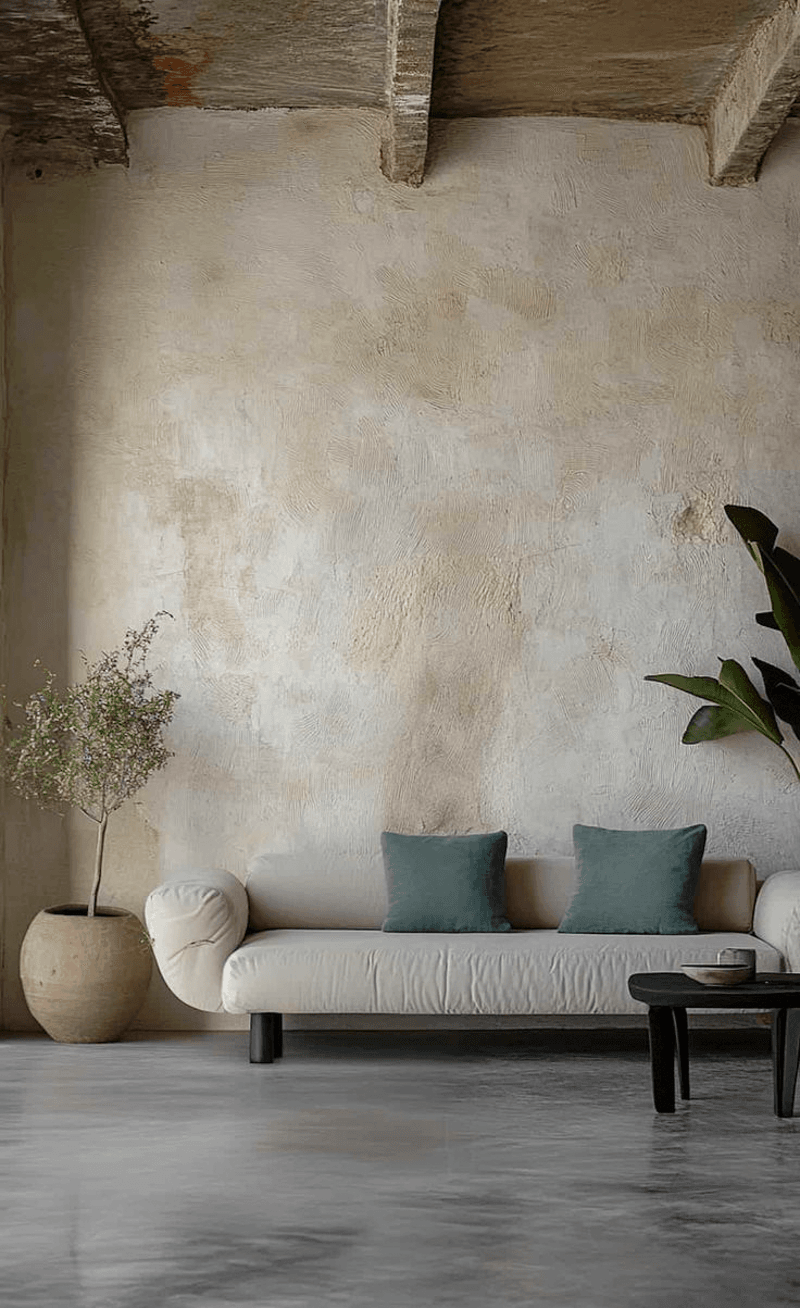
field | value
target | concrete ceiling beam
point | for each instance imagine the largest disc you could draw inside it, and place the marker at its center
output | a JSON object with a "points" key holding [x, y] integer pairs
{"points": [[411, 35], [755, 98]]}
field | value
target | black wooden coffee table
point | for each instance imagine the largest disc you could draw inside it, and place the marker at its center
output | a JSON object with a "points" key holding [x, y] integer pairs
{"points": [[669, 994]]}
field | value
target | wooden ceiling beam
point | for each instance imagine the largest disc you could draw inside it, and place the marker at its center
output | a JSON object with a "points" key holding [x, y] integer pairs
{"points": [[755, 98], [52, 91], [411, 35]]}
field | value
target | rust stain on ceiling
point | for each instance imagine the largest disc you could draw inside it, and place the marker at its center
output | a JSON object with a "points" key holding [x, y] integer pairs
{"points": [[178, 76], [302, 55]]}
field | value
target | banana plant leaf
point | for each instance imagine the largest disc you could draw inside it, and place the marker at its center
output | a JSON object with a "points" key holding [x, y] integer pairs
{"points": [[712, 723], [759, 535], [784, 593], [788, 565], [735, 704], [783, 693], [754, 527], [740, 707]]}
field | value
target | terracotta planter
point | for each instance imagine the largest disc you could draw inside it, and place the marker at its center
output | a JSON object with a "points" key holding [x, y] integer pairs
{"points": [[85, 978]]}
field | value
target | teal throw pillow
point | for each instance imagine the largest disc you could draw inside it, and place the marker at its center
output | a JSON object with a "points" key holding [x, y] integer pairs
{"points": [[635, 882], [445, 883]]}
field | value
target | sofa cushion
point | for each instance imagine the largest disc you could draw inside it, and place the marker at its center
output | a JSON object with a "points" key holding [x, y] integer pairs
{"points": [[635, 882], [501, 973], [445, 883]]}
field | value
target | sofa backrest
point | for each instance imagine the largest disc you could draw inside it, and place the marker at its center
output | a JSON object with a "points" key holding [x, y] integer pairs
{"points": [[346, 892], [538, 892], [326, 891]]}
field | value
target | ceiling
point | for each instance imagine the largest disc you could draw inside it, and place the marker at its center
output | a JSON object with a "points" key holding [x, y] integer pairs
{"points": [[71, 70]]}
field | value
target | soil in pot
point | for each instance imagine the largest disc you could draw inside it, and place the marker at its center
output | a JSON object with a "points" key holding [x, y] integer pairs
{"points": [[85, 978]]}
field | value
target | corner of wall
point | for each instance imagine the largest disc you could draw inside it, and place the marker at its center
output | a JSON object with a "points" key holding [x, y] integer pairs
{"points": [[3, 449]]}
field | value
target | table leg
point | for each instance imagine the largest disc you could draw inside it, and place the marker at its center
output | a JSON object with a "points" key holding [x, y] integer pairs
{"points": [[682, 1043], [662, 1058], [785, 1058]]}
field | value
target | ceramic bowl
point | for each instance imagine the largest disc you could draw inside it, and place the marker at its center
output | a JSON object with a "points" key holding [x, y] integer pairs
{"points": [[717, 974]]}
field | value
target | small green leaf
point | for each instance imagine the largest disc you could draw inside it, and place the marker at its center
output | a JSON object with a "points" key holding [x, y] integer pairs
{"points": [[711, 722]]}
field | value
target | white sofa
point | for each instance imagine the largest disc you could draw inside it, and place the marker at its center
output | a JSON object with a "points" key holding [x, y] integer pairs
{"points": [[302, 939]]}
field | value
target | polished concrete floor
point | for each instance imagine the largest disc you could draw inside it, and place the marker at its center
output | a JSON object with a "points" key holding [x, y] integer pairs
{"points": [[394, 1170]]}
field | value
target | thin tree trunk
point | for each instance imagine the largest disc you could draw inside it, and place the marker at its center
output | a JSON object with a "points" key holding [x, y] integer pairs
{"points": [[98, 864]]}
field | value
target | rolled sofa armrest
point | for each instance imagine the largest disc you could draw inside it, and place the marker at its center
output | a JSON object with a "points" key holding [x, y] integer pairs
{"points": [[195, 922], [776, 917]]}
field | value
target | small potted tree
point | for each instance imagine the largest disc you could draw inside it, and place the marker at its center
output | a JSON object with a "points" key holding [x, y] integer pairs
{"points": [[85, 968]]}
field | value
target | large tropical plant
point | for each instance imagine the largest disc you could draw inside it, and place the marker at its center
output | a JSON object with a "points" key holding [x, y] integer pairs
{"points": [[735, 703], [92, 745]]}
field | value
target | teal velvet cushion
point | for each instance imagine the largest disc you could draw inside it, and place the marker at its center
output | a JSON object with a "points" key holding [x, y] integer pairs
{"points": [[635, 882], [445, 883]]}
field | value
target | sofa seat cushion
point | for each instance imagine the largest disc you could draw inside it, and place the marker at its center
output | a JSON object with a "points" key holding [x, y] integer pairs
{"points": [[508, 973]]}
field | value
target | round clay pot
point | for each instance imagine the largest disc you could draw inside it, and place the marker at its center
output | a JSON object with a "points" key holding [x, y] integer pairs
{"points": [[85, 978]]}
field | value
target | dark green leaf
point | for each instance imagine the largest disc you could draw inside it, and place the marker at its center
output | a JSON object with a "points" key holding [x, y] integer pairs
{"points": [[753, 526], [733, 678], [712, 723], [702, 687], [760, 534], [733, 692], [783, 693], [785, 602], [789, 565], [767, 620]]}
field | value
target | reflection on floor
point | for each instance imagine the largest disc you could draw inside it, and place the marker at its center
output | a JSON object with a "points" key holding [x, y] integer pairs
{"points": [[402, 1170]]}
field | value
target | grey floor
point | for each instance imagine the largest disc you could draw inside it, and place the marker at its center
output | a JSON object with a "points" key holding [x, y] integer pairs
{"points": [[383, 1170]]}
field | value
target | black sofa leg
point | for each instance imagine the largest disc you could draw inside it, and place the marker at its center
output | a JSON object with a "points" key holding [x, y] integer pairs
{"points": [[277, 1034], [266, 1037]]}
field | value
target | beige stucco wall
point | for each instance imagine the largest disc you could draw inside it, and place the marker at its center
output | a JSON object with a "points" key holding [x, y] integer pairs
{"points": [[3, 432], [430, 479]]}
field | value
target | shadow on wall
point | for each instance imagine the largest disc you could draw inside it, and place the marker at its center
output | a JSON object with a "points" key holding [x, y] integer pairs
{"points": [[42, 312]]}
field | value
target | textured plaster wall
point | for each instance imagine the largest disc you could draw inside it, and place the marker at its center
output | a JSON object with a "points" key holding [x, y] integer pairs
{"points": [[430, 480], [3, 418]]}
